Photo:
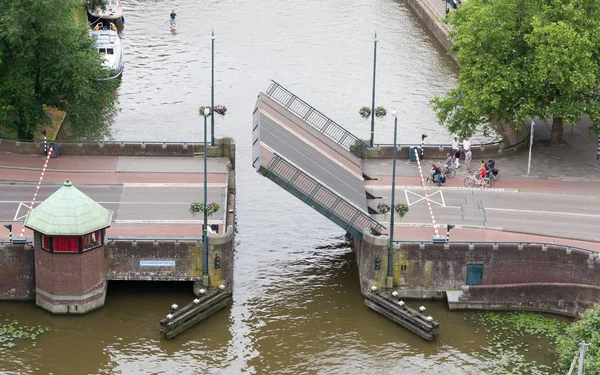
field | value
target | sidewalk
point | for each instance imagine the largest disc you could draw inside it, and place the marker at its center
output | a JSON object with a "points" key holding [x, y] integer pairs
{"points": [[425, 233], [110, 170]]}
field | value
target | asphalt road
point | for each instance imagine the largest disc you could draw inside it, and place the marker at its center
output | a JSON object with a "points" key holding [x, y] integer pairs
{"points": [[130, 204], [318, 165], [565, 216]]}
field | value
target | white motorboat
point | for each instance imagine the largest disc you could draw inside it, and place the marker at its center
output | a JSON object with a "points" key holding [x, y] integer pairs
{"points": [[109, 45], [113, 11]]}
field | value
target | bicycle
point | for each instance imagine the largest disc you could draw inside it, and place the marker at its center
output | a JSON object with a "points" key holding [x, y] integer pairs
{"points": [[474, 179]]}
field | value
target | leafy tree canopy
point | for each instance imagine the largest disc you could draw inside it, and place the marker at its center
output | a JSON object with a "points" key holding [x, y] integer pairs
{"points": [[47, 59], [586, 329], [523, 58]]}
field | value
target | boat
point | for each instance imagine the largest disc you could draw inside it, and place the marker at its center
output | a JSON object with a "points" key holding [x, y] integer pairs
{"points": [[173, 24], [113, 11], [109, 45]]}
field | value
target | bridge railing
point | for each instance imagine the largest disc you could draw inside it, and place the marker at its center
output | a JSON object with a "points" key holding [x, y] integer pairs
{"points": [[316, 119], [313, 192]]}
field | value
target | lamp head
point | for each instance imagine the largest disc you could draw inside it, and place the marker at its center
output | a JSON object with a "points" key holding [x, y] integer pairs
{"points": [[449, 226], [423, 136], [394, 114], [43, 132], [8, 226], [206, 111]]}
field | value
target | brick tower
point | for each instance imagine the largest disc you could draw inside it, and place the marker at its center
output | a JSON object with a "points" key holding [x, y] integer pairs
{"points": [[68, 239]]}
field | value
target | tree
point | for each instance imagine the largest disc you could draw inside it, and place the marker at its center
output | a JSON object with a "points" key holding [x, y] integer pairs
{"points": [[47, 59], [586, 329], [523, 58]]}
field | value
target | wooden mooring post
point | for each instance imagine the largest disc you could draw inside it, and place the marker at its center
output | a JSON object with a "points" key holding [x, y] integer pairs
{"points": [[413, 320], [199, 309]]}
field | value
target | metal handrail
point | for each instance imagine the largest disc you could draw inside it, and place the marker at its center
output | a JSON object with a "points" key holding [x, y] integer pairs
{"points": [[318, 120], [503, 243], [22, 243], [318, 193]]}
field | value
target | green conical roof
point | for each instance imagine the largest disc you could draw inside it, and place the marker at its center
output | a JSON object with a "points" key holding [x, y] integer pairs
{"points": [[68, 212]]}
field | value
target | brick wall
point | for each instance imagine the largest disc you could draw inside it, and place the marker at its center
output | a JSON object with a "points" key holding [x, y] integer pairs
{"points": [[224, 147], [124, 259], [17, 272], [430, 152], [512, 276], [562, 298]]}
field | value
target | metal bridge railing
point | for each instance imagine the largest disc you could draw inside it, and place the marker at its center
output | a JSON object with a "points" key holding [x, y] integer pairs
{"points": [[315, 192], [316, 119]]}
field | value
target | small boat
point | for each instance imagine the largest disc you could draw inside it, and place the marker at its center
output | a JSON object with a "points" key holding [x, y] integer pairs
{"points": [[109, 45], [113, 11], [173, 24]]}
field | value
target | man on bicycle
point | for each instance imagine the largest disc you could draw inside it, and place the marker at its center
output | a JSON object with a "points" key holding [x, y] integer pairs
{"points": [[436, 174], [447, 164]]}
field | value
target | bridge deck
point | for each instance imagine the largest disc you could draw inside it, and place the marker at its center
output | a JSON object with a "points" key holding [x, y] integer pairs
{"points": [[150, 196], [284, 133]]}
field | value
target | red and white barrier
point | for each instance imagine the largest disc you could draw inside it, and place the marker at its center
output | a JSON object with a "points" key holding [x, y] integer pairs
{"points": [[437, 233], [37, 189]]}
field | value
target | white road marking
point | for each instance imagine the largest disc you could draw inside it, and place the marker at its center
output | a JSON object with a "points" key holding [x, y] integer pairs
{"points": [[162, 202], [21, 204], [177, 185], [544, 212], [422, 197], [448, 188], [198, 221]]}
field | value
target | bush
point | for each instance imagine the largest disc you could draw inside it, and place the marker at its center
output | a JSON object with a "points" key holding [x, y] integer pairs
{"points": [[586, 329]]}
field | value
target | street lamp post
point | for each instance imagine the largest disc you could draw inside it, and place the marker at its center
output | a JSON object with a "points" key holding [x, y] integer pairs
{"points": [[530, 145], [390, 274], [212, 90], [373, 96], [207, 112]]}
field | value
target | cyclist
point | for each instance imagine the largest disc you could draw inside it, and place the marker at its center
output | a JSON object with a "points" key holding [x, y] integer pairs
{"points": [[447, 164], [436, 174]]}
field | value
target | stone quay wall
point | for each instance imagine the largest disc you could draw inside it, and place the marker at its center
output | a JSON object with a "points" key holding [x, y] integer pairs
{"points": [[424, 9], [17, 272], [170, 260], [513, 275], [432, 152], [224, 147]]}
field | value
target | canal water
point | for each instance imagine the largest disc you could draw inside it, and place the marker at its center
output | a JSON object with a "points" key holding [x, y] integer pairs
{"points": [[297, 306]]}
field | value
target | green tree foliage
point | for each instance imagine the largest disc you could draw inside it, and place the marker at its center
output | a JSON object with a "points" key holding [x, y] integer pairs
{"points": [[586, 329], [47, 59], [521, 59]]}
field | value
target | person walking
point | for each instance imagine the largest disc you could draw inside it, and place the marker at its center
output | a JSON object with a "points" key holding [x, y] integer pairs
{"points": [[455, 152], [468, 154]]}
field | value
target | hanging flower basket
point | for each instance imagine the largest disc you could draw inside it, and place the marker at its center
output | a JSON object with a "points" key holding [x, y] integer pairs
{"points": [[365, 112], [202, 111], [383, 208], [197, 208], [380, 112], [220, 109], [401, 209]]}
